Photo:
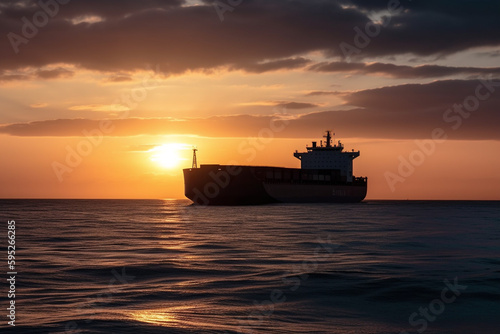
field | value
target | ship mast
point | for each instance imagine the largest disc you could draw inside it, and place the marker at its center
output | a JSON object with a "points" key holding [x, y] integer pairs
{"points": [[328, 138], [195, 163]]}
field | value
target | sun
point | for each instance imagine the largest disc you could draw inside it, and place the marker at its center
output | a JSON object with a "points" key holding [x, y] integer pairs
{"points": [[167, 155]]}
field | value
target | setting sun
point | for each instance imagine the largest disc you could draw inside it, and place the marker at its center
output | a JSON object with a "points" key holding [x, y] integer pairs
{"points": [[167, 155]]}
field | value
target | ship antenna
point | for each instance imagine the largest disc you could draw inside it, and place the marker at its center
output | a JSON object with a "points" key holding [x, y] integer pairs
{"points": [[195, 163]]}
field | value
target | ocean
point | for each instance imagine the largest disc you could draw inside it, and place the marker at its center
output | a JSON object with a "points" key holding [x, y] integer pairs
{"points": [[165, 266]]}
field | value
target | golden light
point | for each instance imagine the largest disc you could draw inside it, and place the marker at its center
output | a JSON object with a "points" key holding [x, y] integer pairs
{"points": [[198, 317], [155, 317], [168, 155]]}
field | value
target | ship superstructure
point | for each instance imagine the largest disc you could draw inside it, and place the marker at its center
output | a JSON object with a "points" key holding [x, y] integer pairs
{"points": [[328, 157]]}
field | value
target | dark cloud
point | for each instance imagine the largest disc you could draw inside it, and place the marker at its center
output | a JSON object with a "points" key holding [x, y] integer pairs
{"points": [[457, 8], [321, 93], [398, 112], [54, 73], [296, 105], [402, 71], [257, 35], [176, 38], [282, 64], [29, 74], [490, 54], [15, 9], [119, 78], [438, 27], [284, 105], [420, 97], [13, 77]]}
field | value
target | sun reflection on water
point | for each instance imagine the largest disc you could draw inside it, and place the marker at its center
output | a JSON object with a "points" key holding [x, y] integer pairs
{"points": [[191, 317], [164, 317]]}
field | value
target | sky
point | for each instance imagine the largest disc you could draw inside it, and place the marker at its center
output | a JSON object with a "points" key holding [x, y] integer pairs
{"points": [[107, 98]]}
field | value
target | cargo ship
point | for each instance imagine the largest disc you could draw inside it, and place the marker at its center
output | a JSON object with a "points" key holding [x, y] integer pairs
{"points": [[325, 176]]}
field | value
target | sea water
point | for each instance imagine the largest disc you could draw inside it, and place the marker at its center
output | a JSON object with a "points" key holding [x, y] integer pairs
{"points": [[165, 266]]}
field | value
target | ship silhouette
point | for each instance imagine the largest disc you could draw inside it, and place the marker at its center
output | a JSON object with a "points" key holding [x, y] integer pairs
{"points": [[325, 176]]}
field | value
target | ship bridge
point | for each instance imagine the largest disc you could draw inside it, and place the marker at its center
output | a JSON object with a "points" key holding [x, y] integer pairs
{"points": [[328, 156]]}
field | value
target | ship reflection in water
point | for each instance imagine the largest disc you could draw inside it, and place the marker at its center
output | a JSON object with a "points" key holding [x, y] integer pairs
{"points": [[325, 176]]}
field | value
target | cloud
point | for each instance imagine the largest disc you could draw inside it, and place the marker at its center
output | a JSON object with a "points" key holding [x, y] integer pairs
{"points": [[490, 54], [119, 78], [401, 71], [13, 77], [423, 97], [322, 93], [282, 64], [31, 73], [100, 107], [397, 112], [292, 105], [87, 8], [257, 36], [296, 105], [54, 73]]}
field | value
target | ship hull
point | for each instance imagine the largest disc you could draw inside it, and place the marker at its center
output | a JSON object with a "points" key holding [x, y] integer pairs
{"points": [[251, 185]]}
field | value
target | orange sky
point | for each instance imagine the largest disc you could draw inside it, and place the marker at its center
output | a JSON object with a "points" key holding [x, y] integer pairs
{"points": [[227, 86]]}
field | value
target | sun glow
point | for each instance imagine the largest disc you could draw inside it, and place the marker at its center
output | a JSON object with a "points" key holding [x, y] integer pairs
{"points": [[168, 155]]}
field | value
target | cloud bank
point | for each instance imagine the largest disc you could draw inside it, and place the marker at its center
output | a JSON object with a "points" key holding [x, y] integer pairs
{"points": [[464, 109], [256, 36]]}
